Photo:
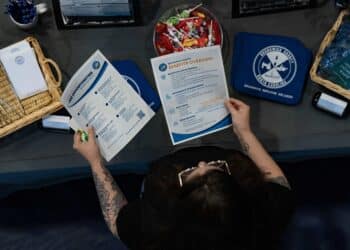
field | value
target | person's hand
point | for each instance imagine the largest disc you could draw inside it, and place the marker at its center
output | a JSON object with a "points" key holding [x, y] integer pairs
{"points": [[240, 113], [89, 149]]}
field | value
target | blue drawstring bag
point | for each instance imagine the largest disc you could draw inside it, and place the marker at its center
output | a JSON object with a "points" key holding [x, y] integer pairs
{"points": [[133, 75], [270, 67]]}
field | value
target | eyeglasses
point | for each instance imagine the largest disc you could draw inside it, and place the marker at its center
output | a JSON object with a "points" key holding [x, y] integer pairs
{"points": [[221, 165]]}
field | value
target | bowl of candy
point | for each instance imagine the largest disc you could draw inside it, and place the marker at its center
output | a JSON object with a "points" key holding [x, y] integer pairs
{"points": [[186, 27]]}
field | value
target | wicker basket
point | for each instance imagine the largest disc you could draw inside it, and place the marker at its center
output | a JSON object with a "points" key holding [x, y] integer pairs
{"points": [[326, 41], [15, 113]]}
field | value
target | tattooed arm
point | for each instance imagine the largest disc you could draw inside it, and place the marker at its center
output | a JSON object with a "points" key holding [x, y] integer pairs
{"points": [[110, 196], [250, 144]]}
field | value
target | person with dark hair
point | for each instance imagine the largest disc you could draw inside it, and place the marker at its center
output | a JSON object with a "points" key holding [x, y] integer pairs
{"points": [[200, 198]]}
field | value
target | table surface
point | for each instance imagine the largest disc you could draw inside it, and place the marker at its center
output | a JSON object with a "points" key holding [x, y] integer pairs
{"points": [[281, 128]]}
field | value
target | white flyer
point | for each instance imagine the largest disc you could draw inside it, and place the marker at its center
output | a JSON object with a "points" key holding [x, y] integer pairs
{"points": [[192, 88], [98, 96]]}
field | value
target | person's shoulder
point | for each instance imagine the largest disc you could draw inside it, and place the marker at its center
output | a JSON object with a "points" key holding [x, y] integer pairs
{"points": [[280, 196], [281, 182], [280, 188], [131, 212], [274, 207], [129, 224]]}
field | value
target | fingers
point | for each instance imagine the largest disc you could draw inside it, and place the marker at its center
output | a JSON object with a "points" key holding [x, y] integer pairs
{"points": [[237, 102], [91, 132], [76, 140], [238, 105], [77, 137], [231, 108]]}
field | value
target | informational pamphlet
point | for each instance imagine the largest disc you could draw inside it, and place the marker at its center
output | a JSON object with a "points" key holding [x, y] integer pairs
{"points": [[98, 96], [192, 88]]}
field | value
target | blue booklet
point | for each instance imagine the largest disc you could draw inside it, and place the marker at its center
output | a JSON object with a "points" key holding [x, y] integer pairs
{"points": [[270, 67], [133, 75]]}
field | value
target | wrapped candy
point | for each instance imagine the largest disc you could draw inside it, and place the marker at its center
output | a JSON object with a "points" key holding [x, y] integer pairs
{"points": [[189, 29]]}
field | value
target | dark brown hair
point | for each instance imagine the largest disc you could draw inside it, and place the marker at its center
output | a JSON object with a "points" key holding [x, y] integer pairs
{"points": [[213, 211]]}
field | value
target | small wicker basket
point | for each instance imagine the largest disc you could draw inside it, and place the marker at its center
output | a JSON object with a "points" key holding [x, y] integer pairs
{"points": [[15, 113], [327, 41]]}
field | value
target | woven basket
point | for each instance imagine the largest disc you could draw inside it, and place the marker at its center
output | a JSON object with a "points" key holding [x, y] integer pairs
{"points": [[327, 41], [15, 113]]}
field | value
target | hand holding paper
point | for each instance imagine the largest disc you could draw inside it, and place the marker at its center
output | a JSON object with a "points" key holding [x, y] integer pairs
{"points": [[240, 113], [192, 87], [89, 149], [98, 96]]}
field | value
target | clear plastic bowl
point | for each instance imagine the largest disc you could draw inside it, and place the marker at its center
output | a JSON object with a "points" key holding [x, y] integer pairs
{"points": [[173, 12]]}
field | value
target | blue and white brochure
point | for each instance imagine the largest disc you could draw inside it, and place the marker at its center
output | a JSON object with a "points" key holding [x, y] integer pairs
{"points": [[192, 88], [98, 96]]}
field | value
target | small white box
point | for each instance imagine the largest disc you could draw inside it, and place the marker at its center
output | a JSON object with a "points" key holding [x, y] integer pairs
{"points": [[56, 122]]}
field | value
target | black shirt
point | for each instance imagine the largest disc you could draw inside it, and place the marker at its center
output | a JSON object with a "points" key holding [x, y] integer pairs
{"points": [[138, 222]]}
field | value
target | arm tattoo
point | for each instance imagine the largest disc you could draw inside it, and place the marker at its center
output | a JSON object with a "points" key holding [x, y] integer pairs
{"points": [[110, 196], [244, 144], [281, 180]]}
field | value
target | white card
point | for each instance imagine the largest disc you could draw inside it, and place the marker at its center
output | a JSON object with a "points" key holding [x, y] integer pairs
{"points": [[23, 70]]}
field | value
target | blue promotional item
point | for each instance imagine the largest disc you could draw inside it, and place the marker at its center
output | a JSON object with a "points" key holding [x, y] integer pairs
{"points": [[270, 67], [138, 82]]}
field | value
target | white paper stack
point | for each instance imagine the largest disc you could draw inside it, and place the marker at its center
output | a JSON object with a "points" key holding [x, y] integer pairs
{"points": [[22, 69]]}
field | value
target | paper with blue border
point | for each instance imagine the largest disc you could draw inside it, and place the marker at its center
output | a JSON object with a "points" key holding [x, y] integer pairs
{"points": [[192, 87], [99, 96]]}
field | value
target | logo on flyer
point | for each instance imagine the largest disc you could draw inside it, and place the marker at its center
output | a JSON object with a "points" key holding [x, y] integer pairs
{"points": [[275, 67], [163, 67], [96, 65]]}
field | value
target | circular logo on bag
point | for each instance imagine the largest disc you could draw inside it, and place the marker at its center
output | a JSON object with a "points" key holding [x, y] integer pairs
{"points": [[274, 67], [133, 84]]}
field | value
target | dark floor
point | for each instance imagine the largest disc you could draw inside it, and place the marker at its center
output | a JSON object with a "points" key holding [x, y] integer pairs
{"points": [[67, 216]]}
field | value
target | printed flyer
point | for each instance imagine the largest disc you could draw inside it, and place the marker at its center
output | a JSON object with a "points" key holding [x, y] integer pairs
{"points": [[192, 88], [98, 96]]}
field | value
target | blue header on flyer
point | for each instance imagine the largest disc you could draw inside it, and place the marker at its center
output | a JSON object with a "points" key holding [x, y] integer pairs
{"points": [[95, 66]]}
